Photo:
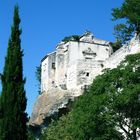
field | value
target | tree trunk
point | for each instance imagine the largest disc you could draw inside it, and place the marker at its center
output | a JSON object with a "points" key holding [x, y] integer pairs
{"points": [[134, 134]]}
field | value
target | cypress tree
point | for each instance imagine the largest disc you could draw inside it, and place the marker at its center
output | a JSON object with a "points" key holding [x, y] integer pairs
{"points": [[13, 118]]}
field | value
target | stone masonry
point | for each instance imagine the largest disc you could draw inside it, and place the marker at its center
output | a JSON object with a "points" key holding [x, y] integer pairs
{"points": [[74, 64]]}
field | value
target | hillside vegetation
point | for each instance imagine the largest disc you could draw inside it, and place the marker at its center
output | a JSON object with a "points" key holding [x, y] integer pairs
{"points": [[106, 110]]}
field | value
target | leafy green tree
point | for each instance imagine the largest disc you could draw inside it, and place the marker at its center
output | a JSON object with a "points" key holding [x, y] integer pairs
{"points": [[13, 118], [122, 87], [129, 16], [71, 38], [116, 45], [30, 136]]}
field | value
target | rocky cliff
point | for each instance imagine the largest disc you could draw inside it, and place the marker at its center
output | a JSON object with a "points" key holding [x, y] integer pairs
{"points": [[48, 104]]}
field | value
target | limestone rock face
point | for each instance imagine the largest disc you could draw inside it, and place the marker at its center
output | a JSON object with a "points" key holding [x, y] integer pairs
{"points": [[47, 104]]}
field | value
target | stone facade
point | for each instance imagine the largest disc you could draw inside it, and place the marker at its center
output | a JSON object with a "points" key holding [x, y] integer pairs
{"points": [[74, 64]]}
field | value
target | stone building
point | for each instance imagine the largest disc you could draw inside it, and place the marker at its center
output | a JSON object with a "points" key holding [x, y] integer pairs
{"points": [[71, 68], [74, 64]]}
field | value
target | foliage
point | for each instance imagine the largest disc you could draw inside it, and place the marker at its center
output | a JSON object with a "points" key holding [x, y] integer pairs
{"points": [[31, 136], [111, 104], [116, 45], [38, 77], [13, 101], [129, 16], [71, 38]]}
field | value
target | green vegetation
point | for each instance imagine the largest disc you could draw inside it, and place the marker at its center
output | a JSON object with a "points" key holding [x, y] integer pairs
{"points": [[38, 78], [30, 136], [71, 38], [116, 45], [128, 16], [112, 103], [128, 19], [13, 118]]}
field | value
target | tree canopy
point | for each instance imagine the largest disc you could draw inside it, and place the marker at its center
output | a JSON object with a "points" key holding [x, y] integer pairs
{"points": [[128, 16], [71, 38]]}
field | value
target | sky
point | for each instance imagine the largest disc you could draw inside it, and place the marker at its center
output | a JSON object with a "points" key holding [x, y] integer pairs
{"points": [[45, 23]]}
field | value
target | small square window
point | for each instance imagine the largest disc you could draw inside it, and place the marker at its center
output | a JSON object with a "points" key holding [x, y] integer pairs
{"points": [[87, 74], [53, 65], [102, 65]]}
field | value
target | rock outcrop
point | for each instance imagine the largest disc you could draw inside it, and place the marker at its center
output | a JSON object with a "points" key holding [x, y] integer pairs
{"points": [[48, 104]]}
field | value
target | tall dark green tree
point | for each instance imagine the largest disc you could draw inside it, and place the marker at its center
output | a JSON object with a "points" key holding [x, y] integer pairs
{"points": [[13, 118], [128, 17]]}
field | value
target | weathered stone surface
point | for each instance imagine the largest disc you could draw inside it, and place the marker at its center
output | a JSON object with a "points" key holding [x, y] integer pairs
{"points": [[131, 48], [48, 103], [61, 68]]}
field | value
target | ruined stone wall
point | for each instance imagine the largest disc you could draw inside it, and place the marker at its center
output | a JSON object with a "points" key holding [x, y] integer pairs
{"points": [[71, 65], [48, 72], [44, 75], [75, 64], [51, 69], [85, 62], [61, 66], [93, 51], [131, 47], [87, 70]]}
